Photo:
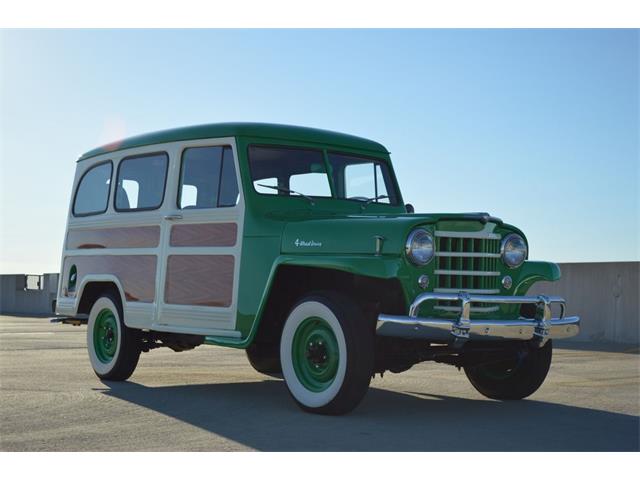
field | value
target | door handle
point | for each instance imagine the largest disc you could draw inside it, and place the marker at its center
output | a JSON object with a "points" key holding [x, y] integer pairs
{"points": [[173, 216]]}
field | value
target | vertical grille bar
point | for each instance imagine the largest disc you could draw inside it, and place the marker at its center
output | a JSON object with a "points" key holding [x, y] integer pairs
{"points": [[449, 262]]}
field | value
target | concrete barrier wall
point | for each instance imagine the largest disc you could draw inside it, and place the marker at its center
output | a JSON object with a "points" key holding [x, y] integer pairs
{"points": [[15, 298], [605, 295]]}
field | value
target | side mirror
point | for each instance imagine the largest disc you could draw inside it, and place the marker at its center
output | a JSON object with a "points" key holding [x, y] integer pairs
{"points": [[410, 208]]}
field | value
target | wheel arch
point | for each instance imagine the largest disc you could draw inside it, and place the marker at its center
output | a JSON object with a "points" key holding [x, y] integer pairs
{"points": [[93, 287], [291, 281]]}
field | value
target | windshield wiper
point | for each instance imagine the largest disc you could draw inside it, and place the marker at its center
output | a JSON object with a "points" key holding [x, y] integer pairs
{"points": [[373, 199], [283, 189]]}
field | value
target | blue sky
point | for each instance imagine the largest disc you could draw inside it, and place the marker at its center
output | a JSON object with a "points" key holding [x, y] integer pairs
{"points": [[539, 127]]}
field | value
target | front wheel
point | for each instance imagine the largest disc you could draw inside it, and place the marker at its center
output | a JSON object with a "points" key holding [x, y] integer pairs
{"points": [[518, 376], [326, 351], [114, 348]]}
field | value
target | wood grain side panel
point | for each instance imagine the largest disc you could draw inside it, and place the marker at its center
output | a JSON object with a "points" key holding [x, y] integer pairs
{"points": [[121, 237], [136, 273], [205, 280], [204, 235]]}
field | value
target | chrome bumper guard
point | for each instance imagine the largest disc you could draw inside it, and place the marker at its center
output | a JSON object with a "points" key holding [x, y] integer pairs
{"points": [[541, 328]]}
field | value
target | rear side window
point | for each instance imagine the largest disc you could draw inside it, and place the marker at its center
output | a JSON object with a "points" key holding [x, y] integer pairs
{"points": [[141, 182], [92, 195], [208, 178]]}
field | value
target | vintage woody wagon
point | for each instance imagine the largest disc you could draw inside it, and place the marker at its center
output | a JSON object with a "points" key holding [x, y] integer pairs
{"points": [[295, 244]]}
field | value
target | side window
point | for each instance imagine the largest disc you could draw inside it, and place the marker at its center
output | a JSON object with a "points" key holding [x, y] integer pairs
{"points": [[92, 194], [207, 178], [141, 182]]}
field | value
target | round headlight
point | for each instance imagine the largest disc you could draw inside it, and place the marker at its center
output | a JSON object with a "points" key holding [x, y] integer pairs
{"points": [[419, 247], [513, 250]]}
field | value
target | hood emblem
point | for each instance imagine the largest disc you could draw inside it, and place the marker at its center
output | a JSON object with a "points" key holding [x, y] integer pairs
{"points": [[306, 243]]}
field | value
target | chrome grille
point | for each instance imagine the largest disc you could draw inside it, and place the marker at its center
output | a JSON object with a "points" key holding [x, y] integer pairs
{"points": [[467, 261]]}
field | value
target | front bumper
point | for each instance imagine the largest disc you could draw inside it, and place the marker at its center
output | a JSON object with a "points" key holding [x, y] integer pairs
{"points": [[540, 329]]}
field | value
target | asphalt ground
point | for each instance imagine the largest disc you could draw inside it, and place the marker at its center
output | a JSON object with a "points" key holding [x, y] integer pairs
{"points": [[211, 399]]}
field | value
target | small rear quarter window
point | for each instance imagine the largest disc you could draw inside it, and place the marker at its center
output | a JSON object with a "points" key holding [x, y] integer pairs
{"points": [[92, 194]]}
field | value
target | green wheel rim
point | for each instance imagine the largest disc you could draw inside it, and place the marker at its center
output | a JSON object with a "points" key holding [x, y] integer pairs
{"points": [[315, 354], [105, 335]]}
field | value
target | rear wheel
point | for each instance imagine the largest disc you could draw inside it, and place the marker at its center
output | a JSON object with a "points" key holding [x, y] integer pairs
{"points": [[326, 350], [516, 377], [114, 348]]}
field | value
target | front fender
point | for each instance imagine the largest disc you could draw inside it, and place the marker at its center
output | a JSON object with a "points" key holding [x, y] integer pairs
{"points": [[367, 265], [534, 271], [384, 267]]}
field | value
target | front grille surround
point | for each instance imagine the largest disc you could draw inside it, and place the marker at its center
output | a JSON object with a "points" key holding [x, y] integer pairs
{"points": [[470, 262]]}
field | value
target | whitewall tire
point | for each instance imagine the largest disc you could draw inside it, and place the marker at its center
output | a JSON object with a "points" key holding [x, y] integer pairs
{"points": [[326, 352], [114, 349]]}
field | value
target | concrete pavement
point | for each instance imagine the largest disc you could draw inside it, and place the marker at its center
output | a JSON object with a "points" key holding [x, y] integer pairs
{"points": [[211, 399]]}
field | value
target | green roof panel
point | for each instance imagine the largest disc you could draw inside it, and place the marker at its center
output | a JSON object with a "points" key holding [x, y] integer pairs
{"points": [[262, 130]]}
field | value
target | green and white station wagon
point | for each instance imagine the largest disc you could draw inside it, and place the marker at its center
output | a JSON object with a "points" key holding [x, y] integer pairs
{"points": [[295, 244]]}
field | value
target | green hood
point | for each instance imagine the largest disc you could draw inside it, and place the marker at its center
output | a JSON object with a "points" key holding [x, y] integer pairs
{"points": [[356, 234]]}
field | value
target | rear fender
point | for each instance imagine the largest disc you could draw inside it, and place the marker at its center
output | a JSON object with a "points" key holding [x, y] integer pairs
{"points": [[86, 280]]}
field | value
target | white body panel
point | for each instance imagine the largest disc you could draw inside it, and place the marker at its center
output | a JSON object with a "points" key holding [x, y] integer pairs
{"points": [[158, 315]]}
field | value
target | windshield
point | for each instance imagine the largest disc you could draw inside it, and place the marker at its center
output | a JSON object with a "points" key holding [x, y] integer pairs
{"points": [[289, 171]]}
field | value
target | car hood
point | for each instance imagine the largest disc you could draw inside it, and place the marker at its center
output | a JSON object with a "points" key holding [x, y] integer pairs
{"points": [[357, 234]]}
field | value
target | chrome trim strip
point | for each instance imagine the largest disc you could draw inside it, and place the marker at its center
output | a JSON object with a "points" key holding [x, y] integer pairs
{"points": [[482, 234], [468, 254], [472, 273], [484, 291]]}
